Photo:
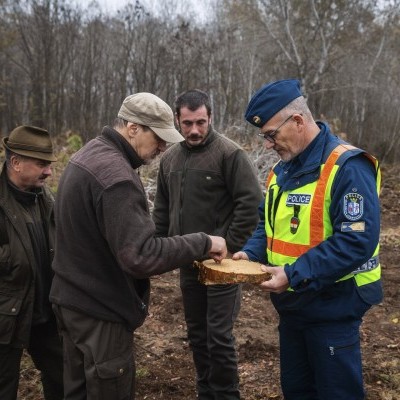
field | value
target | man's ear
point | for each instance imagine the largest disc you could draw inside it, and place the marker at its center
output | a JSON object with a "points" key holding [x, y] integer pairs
{"points": [[300, 121], [15, 162], [132, 129]]}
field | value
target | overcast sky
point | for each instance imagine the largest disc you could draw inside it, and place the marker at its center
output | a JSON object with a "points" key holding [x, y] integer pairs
{"points": [[109, 5], [184, 7]]}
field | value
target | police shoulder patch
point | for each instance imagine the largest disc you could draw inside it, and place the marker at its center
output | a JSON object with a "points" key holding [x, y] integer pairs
{"points": [[353, 206]]}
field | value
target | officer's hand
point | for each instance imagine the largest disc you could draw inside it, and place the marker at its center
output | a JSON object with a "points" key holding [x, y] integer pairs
{"points": [[240, 255], [218, 249], [279, 281]]}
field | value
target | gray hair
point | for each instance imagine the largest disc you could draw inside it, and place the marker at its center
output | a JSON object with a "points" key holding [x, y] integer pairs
{"points": [[298, 106], [121, 123]]}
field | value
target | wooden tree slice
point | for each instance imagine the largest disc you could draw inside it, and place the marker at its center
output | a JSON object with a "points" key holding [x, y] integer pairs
{"points": [[231, 271]]}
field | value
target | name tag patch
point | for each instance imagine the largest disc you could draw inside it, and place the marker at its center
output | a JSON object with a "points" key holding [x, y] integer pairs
{"points": [[298, 199], [353, 206], [353, 226]]}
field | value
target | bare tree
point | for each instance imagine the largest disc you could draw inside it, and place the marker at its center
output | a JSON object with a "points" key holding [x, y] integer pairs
{"points": [[68, 68]]}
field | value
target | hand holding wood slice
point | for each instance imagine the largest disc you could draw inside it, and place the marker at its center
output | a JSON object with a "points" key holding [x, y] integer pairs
{"points": [[231, 271]]}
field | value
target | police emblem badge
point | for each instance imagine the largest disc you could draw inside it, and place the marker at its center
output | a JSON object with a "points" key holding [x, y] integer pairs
{"points": [[256, 119], [353, 206], [294, 224]]}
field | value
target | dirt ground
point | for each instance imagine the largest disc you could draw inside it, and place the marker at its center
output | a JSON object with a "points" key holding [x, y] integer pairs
{"points": [[164, 365]]}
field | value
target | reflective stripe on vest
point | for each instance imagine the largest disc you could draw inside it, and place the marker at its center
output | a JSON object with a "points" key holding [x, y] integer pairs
{"points": [[315, 226]]}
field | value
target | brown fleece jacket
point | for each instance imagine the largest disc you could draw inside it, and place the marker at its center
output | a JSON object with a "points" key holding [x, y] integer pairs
{"points": [[105, 245]]}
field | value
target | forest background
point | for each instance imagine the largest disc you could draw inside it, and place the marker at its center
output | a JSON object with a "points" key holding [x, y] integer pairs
{"points": [[67, 68]]}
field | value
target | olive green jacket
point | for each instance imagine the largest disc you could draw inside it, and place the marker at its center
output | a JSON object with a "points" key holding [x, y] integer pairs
{"points": [[17, 265], [212, 188]]}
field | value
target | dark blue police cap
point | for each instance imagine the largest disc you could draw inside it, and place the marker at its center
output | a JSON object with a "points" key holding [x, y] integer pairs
{"points": [[270, 99]]}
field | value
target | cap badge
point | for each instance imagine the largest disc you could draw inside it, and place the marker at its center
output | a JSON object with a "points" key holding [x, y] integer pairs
{"points": [[256, 119]]}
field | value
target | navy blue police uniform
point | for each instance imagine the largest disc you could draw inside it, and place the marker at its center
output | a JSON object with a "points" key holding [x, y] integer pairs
{"points": [[320, 318]]}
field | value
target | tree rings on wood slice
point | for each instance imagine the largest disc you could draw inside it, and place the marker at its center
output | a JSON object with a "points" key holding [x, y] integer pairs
{"points": [[230, 271]]}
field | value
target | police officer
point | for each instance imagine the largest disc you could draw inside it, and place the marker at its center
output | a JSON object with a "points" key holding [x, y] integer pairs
{"points": [[319, 233]]}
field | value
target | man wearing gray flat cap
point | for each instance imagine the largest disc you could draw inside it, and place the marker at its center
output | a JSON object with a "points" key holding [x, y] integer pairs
{"points": [[106, 250], [26, 251]]}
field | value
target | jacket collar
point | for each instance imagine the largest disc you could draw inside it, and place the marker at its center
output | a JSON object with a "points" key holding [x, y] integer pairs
{"points": [[311, 157], [25, 197], [306, 167], [118, 141]]}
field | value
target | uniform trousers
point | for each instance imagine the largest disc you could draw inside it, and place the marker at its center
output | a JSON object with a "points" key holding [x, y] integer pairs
{"points": [[320, 346], [210, 313], [98, 357], [45, 350]]}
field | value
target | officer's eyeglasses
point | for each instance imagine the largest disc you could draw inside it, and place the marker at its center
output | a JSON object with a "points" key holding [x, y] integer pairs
{"points": [[270, 135]]}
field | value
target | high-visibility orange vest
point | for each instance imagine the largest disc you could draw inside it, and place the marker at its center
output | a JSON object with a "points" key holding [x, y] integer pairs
{"points": [[284, 247]]}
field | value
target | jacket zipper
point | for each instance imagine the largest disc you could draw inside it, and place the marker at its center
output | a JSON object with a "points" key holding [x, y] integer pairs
{"points": [[182, 191]]}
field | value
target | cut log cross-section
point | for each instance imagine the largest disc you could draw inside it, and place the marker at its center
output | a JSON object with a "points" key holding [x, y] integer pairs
{"points": [[231, 271]]}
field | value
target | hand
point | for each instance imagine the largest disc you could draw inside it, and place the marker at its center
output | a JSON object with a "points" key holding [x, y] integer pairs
{"points": [[218, 249], [279, 281], [240, 255]]}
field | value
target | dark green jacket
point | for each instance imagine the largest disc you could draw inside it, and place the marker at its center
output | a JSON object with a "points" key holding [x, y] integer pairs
{"points": [[211, 188], [17, 265]]}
